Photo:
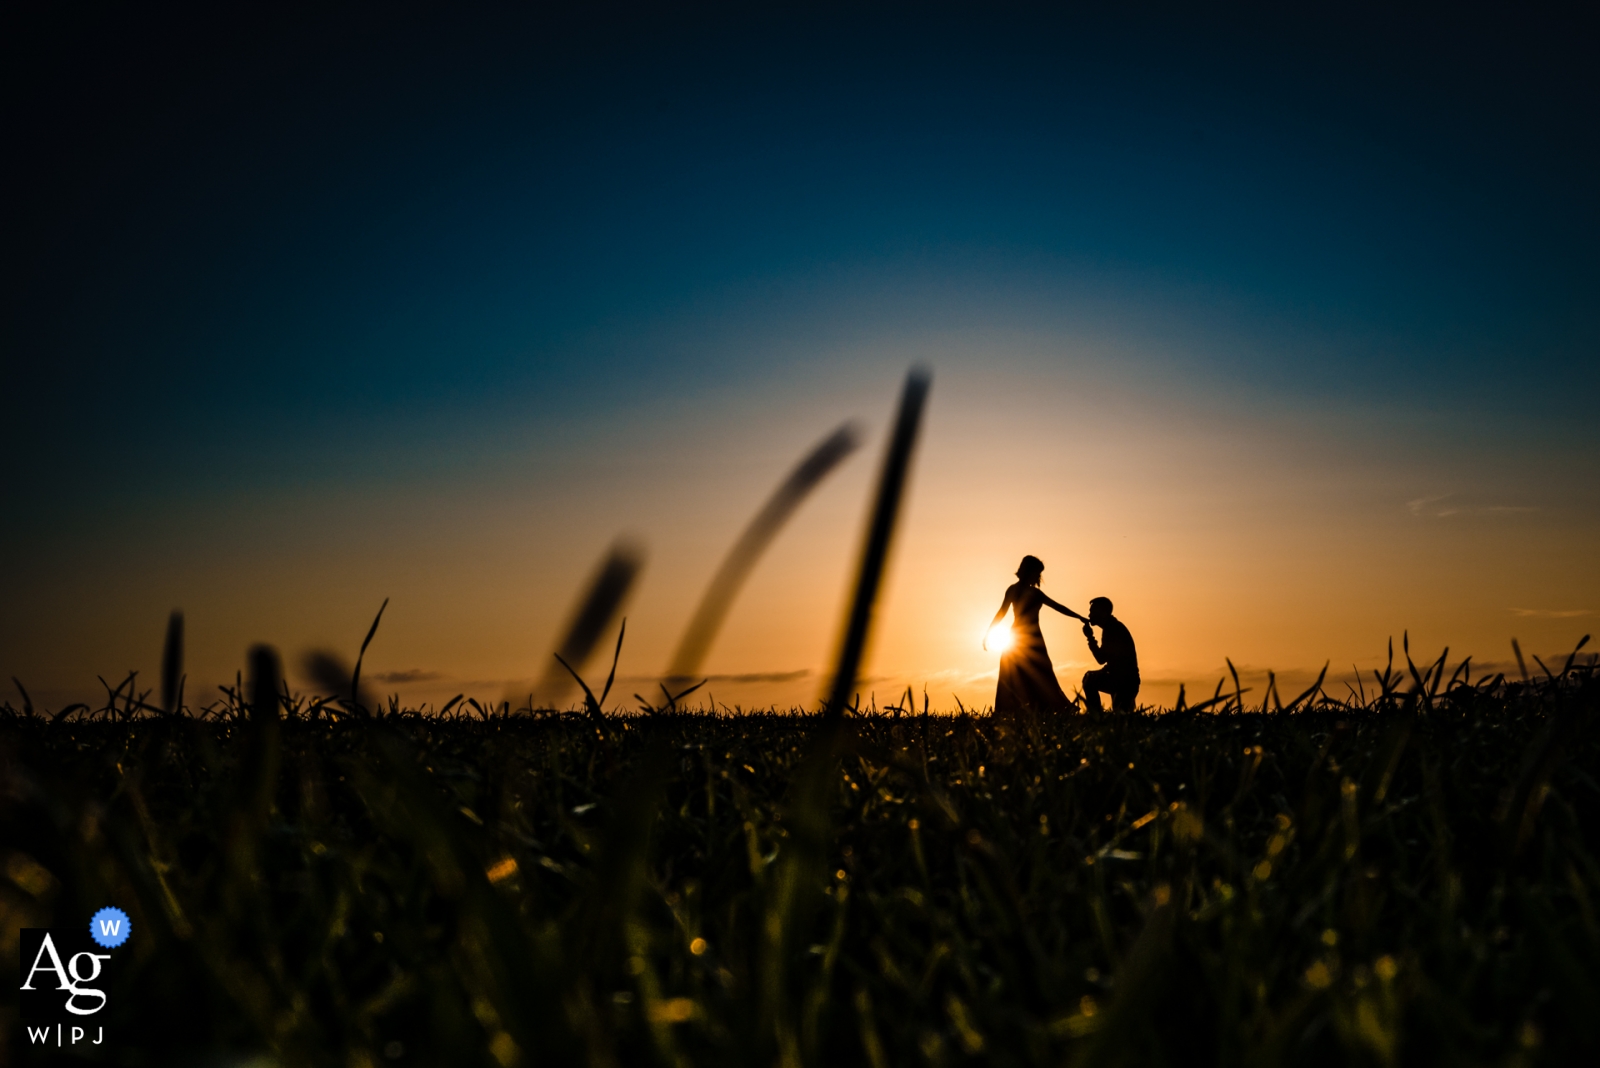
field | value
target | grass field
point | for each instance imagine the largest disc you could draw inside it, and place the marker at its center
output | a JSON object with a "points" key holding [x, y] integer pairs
{"points": [[1412, 879]]}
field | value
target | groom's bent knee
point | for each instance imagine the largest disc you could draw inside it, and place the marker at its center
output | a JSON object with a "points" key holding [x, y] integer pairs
{"points": [[1123, 693], [1093, 684]]}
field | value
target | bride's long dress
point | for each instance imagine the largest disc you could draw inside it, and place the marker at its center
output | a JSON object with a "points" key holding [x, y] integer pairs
{"points": [[1027, 678]]}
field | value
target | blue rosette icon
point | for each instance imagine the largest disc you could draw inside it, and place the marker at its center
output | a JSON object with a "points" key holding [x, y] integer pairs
{"points": [[110, 927]]}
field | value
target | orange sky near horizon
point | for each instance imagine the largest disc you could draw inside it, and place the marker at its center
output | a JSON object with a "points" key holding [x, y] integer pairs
{"points": [[1275, 534]]}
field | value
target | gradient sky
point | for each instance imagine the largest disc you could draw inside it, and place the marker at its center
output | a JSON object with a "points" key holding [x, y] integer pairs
{"points": [[1279, 330]]}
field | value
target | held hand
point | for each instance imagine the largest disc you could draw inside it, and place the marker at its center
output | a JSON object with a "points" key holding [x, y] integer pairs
{"points": [[1088, 631]]}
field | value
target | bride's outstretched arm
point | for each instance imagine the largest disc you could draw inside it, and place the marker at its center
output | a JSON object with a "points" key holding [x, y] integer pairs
{"points": [[1063, 609], [998, 616]]}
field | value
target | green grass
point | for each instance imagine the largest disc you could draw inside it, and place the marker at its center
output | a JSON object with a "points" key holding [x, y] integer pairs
{"points": [[1408, 881]]}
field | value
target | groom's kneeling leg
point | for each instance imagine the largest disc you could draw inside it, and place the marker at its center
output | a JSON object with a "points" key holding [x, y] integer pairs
{"points": [[1094, 683]]}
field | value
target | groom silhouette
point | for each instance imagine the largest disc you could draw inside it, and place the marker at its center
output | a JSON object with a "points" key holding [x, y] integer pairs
{"points": [[1120, 676]]}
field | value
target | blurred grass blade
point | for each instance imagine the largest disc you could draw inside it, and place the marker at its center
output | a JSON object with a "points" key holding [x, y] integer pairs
{"points": [[334, 678], [1387, 756], [885, 511], [1574, 655], [498, 960], [795, 884], [27, 702], [741, 559], [262, 741], [1140, 980], [172, 665], [598, 607], [355, 676], [265, 685], [1520, 804], [1521, 664]]}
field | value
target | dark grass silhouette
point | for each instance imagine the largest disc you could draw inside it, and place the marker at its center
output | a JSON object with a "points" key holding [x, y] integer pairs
{"points": [[602, 600], [1409, 879], [172, 666], [880, 532], [340, 683]]}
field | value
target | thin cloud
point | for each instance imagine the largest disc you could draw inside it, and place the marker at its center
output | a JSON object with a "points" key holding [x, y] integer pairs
{"points": [[1420, 506], [753, 676], [1435, 507], [1551, 613], [762, 676], [410, 675]]}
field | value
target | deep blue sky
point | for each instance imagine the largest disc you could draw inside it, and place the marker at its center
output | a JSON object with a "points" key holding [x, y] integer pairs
{"points": [[247, 248], [287, 217]]}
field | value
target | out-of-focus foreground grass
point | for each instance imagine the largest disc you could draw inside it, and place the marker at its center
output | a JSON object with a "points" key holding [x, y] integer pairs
{"points": [[1412, 880]]}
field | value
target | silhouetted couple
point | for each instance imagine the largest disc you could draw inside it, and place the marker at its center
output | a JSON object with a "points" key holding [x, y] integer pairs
{"points": [[1028, 679]]}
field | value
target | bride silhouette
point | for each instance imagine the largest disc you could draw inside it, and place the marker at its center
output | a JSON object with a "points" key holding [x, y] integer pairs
{"points": [[1027, 678]]}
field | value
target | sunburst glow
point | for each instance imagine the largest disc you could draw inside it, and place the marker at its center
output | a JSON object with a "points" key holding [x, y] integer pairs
{"points": [[999, 638]]}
